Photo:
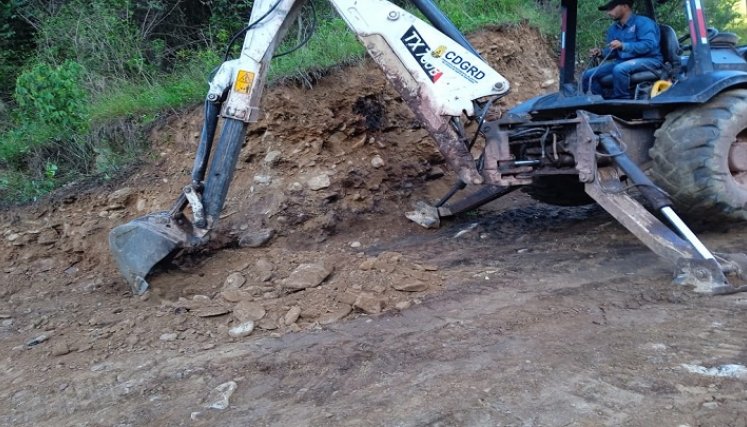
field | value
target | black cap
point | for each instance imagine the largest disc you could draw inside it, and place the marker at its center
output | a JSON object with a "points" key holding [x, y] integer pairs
{"points": [[612, 3]]}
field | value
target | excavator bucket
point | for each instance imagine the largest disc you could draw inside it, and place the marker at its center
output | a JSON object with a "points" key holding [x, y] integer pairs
{"points": [[142, 243]]}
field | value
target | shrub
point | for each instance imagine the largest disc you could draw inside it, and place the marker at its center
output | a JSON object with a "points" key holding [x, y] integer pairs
{"points": [[53, 95]]}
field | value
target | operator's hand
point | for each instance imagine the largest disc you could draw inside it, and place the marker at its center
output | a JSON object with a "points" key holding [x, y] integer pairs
{"points": [[616, 44], [595, 52]]}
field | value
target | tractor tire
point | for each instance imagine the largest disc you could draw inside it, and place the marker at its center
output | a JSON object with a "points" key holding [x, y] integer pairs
{"points": [[559, 190], [700, 158]]}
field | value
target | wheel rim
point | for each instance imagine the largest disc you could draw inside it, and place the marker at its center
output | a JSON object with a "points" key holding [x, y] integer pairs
{"points": [[738, 159]]}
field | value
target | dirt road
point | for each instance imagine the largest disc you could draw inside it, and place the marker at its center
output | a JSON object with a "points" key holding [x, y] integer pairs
{"points": [[521, 314], [568, 332]]}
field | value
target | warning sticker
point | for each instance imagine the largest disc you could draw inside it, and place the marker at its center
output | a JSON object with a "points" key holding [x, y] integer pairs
{"points": [[244, 82]]}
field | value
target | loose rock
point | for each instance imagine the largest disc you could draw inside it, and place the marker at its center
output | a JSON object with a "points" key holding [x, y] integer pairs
{"points": [[319, 182], [168, 337], [295, 187], [120, 197], [369, 303], [377, 162], [37, 340], [326, 319], [262, 179], [368, 264], [247, 310], [307, 276], [212, 310], [424, 215], [403, 305], [267, 324], [235, 295], [242, 330], [234, 281], [60, 349], [219, 396], [292, 315], [410, 286], [272, 158], [256, 238]]}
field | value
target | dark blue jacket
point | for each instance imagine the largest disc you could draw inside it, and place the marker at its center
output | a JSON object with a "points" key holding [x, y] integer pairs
{"points": [[640, 38]]}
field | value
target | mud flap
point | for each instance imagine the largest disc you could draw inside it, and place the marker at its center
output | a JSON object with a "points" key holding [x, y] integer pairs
{"points": [[140, 244]]}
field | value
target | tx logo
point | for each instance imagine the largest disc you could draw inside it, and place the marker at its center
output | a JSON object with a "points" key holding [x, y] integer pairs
{"points": [[419, 49]]}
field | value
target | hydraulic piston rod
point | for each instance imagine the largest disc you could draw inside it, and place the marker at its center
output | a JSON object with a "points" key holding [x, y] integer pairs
{"points": [[658, 199]]}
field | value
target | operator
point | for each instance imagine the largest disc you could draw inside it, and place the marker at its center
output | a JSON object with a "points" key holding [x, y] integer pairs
{"points": [[632, 46]]}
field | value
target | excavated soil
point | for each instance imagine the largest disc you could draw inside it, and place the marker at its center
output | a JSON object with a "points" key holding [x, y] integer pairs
{"points": [[520, 314]]}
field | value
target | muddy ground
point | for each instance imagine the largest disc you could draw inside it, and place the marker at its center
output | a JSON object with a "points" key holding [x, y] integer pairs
{"points": [[521, 314]]}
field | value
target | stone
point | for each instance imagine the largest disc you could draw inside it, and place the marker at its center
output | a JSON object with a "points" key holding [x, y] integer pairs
{"points": [[60, 349], [295, 187], [247, 310], [434, 173], [547, 83], [355, 245], [241, 330], [411, 286], [369, 303], [307, 276], [337, 315], [168, 337], [212, 310], [272, 158], [42, 265], [292, 315], [267, 324], [219, 397], [37, 340], [347, 297], [424, 215], [256, 238], [235, 295], [262, 179], [368, 264], [402, 305], [47, 237], [202, 299], [377, 162], [264, 265], [234, 281], [319, 182], [120, 197]]}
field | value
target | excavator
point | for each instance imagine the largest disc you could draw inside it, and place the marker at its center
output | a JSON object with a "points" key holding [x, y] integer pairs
{"points": [[680, 144]]}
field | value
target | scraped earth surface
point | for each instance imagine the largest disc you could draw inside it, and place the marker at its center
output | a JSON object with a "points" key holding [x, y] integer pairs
{"points": [[520, 314]]}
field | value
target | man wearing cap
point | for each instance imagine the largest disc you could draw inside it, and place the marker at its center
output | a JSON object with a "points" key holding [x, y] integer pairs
{"points": [[632, 46]]}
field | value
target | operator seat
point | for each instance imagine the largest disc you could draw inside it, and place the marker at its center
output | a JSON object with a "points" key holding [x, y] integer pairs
{"points": [[670, 50]]}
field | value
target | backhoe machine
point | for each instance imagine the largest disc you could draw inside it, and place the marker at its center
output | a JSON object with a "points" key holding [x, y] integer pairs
{"points": [[683, 147]]}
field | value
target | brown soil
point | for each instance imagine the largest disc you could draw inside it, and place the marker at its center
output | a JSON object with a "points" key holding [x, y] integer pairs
{"points": [[521, 314]]}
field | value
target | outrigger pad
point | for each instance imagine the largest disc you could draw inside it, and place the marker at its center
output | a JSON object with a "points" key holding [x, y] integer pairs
{"points": [[704, 275]]}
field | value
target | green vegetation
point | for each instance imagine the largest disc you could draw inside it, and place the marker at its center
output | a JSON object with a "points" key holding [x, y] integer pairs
{"points": [[80, 78]]}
